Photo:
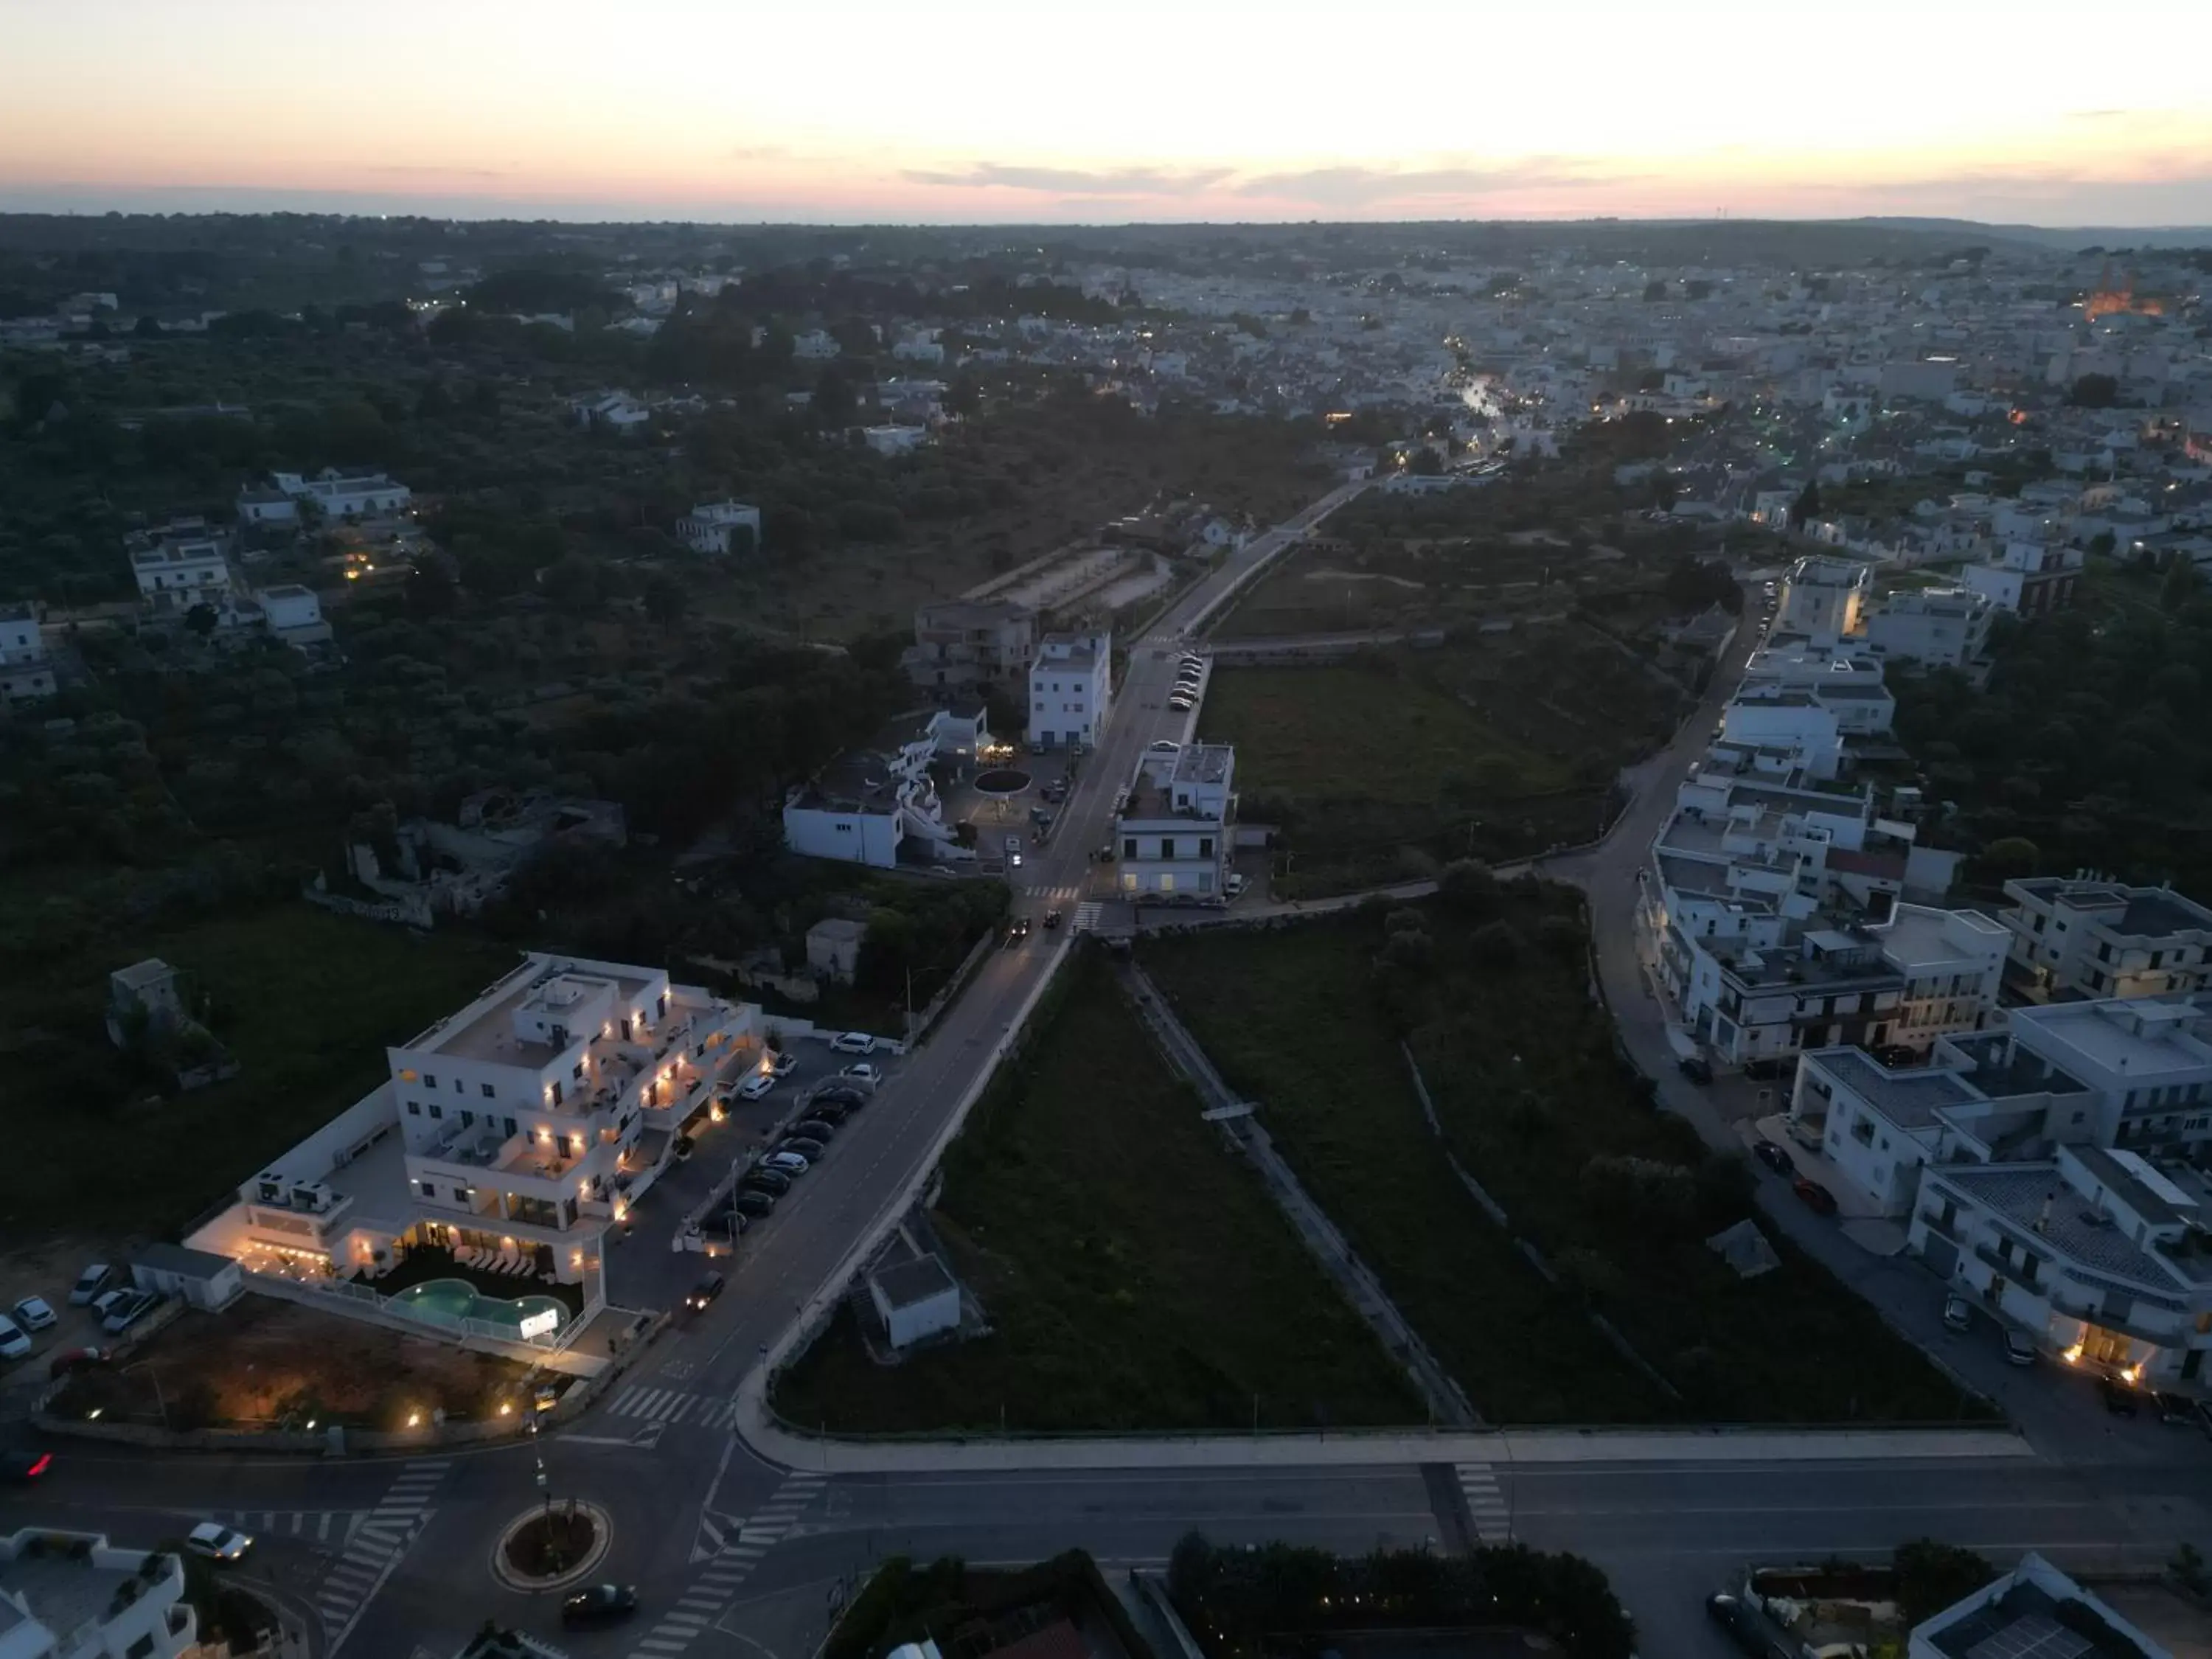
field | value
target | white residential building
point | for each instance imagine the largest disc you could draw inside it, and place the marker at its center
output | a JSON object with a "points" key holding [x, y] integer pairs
{"points": [[1936, 626], [2101, 939], [2029, 577], [26, 671], [1172, 837], [526, 1124], [74, 1596], [814, 346], [175, 575], [1824, 599], [342, 495], [1070, 690], [611, 411], [873, 805], [2018, 1614], [713, 528], [293, 614], [920, 349], [894, 440]]}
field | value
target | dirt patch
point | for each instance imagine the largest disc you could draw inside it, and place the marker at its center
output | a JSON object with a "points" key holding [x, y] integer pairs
{"points": [[262, 1363]]}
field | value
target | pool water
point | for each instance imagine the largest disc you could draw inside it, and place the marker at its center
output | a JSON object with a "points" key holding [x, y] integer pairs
{"points": [[456, 1299]]}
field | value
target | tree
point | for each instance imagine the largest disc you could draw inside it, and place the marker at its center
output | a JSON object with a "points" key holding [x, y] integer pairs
{"points": [[148, 327], [1931, 1576], [2181, 584], [1806, 507], [201, 619], [1468, 889], [2095, 392], [1425, 463], [833, 402], [1496, 945], [664, 597], [1654, 290], [2010, 856]]}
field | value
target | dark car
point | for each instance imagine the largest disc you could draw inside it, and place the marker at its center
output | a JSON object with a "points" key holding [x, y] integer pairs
{"points": [[730, 1221], [1695, 1068], [602, 1604], [754, 1202], [1051, 919], [806, 1148], [708, 1287], [1776, 1157], [2174, 1410], [840, 1094], [2119, 1399], [767, 1181], [23, 1461], [1019, 931], [1817, 1197], [831, 1112], [816, 1128], [1745, 1628], [681, 1147]]}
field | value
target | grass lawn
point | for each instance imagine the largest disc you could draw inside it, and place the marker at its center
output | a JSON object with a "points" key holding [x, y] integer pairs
{"points": [[1133, 1271], [306, 1002], [1370, 770], [1287, 1018], [1527, 1091]]}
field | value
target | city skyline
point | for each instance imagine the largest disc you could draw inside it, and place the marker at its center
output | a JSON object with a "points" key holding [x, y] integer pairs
{"points": [[982, 112]]}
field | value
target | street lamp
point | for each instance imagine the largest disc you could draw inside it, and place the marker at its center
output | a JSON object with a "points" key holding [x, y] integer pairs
{"points": [[160, 1400]]}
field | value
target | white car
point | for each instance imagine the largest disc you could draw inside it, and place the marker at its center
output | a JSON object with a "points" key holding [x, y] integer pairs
{"points": [[217, 1542], [90, 1283], [854, 1043], [1164, 746], [108, 1301], [782, 1065], [13, 1344], [757, 1085], [863, 1072], [134, 1307], [1235, 884], [1180, 705], [33, 1314]]}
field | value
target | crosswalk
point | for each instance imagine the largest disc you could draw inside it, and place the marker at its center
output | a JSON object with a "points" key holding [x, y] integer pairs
{"points": [[1069, 890], [1485, 1503], [720, 1578], [705, 1411], [1086, 917], [309, 1525], [374, 1548]]}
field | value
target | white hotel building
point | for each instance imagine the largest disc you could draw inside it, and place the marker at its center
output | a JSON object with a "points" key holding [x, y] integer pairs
{"points": [[524, 1125]]}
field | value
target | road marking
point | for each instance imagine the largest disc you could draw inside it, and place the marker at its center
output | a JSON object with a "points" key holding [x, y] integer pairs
{"points": [[661, 1406], [375, 1549], [705, 1601], [1485, 1503]]}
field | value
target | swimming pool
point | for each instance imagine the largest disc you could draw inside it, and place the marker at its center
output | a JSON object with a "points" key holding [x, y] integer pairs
{"points": [[450, 1301]]}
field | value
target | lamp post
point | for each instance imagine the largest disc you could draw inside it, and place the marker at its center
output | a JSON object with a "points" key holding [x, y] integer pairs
{"points": [[160, 1400]]}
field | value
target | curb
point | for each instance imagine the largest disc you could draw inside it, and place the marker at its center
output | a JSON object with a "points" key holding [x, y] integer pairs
{"points": [[603, 1525]]}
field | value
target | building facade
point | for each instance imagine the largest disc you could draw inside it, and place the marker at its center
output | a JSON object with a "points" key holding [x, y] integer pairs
{"points": [[26, 672], [972, 642], [721, 527], [74, 1596], [2101, 939], [1173, 834], [1070, 690]]}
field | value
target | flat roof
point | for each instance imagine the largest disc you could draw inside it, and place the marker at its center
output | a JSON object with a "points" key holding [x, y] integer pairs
{"points": [[1914, 937], [2036, 1199], [2145, 1040], [1204, 762], [63, 1593], [910, 1283], [1909, 1096], [484, 1030]]}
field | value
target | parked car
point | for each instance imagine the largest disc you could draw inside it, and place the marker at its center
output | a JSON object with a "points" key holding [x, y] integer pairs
{"points": [[1105, 854], [1233, 884], [108, 1301], [1958, 1313], [71, 1359], [33, 1314], [2119, 1399], [753, 1202], [1180, 705], [1744, 1628], [757, 1085], [129, 1313], [829, 1111], [703, 1294], [2019, 1348], [782, 1065], [1817, 1197], [90, 1283], [863, 1072], [765, 1180], [732, 1221], [216, 1542], [854, 1043], [838, 1094], [806, 1145], [1696, 1068], [815, 1128], [13, 1344], [788, 1162], [2176, 1411], [1163, 746], [602, 1604], [681, 1147], [1776, 1157]]}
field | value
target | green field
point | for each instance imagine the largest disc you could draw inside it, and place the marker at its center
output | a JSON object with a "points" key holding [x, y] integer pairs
{"points": [[1134, 1272], [1372, 774], [1528, 1091], [305, 1002]]}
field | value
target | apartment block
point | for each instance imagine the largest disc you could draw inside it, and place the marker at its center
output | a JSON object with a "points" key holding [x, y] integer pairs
{"points": [[1824, 599], [2101, 938], [26, 671], [1936, 626], [74, 1596], [1172, 835], [971, 642], [1070, 690], [878, 804], [721, 527]]}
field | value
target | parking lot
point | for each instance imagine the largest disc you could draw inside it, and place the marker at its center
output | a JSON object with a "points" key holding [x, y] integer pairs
{"points": [[644, 1269]]}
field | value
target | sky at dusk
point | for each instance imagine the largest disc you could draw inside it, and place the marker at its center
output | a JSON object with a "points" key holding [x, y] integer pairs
{"points": [[975, 110]]}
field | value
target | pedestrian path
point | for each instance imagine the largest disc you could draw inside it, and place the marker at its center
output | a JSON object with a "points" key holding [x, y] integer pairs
{"points": [[1070, 891], [376, 1547], [720, 1578], [705, 1411], [310, 1526], [1086, 917], [1485, 1503]]}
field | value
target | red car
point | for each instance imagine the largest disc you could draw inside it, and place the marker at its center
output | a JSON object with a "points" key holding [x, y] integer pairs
{"points": [[1822, 1202]]}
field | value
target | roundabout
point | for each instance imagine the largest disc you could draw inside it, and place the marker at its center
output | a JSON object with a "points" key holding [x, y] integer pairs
{"points": [[552, 1545]]}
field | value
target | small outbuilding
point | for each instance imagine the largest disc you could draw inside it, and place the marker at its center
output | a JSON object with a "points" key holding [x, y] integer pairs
{"points": [[200, 1278], [915, 1299], [833, 948]]}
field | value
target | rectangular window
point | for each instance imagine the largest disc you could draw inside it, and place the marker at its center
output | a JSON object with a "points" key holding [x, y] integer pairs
{"points": [[1206, 846], [486, 1087], [414, 1108], [459, 1087], [436, 1110], [510, 1125], [1129, 847], [467, 1120], [429, 1082], [429, 1189]]}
